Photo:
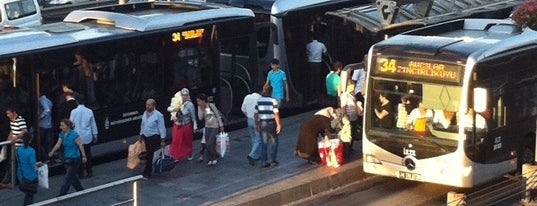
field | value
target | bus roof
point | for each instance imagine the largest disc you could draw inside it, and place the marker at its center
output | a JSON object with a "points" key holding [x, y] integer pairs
{"points": [[130, 19], [410, 15], [459, 39], [280, 7]]}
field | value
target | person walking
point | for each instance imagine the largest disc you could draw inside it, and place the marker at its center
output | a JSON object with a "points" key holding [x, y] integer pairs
{"points": [[267, 118], [152, 132], [314, 53], [72, 151], [213, 124], [183, 128], [248, 108], [26, 171], [84, 124], [278, 81]]}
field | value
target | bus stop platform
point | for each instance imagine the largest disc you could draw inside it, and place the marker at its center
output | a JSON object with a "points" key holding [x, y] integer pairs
{"points": [[231, 182]]}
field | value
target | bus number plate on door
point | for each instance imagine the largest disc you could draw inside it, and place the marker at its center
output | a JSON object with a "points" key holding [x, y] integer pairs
{"points": [[409, 176]]}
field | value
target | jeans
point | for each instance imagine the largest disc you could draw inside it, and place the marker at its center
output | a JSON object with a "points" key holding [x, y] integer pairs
{"points": [[88, 165], [70, 176], [210, 139], [256, 139], [268, 133]]}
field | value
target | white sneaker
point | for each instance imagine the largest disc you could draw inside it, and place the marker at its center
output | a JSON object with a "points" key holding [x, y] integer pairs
{"points": [[190, 157]]}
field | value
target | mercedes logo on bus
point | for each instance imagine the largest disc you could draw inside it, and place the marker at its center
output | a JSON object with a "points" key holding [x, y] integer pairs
{"points": [[409, 162]]}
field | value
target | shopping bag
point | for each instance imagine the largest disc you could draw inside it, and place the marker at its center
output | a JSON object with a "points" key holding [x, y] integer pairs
{"points": [[222, 143], [3, 153], [135, 150], [324, 149], [335, 153], [163, 163], [164, 150], [42, 176]]}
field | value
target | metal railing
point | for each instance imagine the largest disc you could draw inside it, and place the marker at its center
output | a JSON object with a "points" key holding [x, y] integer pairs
{"points": [[133, 200], [9, 169]]}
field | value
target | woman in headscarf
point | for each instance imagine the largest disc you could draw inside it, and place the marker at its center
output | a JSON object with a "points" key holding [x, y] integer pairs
{"points": [[183, 127], [307, 143]]}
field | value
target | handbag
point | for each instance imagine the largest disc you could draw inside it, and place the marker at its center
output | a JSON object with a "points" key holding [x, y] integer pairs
{"points": [[164, 163]]}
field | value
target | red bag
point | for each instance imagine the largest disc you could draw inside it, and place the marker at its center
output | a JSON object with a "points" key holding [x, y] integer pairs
{"points": [[331, 152]]}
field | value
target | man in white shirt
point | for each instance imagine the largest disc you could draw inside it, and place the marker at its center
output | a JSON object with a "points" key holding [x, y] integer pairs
{"points": [[358, 76], [248, 108], [84, 124], [314, 53]]}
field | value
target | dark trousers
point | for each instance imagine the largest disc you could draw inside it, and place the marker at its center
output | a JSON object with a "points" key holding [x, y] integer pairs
{"points": [[88, 165], [151, 145], [28, 198], [70, 176], [47, 142], [210, 141], [268, 137], [313, 84]]}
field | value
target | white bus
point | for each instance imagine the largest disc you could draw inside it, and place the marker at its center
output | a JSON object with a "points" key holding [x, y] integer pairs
{"points": [[17, 13], [135, 51], [453, 103]]}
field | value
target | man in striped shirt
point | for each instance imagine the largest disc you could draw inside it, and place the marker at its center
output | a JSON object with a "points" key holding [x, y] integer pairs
{"points": [[17, 125], [267, 120]]}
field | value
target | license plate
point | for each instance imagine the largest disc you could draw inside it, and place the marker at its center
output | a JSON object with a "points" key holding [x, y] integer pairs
{"points": [[409, 176]]}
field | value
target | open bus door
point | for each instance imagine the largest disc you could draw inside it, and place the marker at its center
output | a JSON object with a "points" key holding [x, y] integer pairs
{"points": [[265, 38]]}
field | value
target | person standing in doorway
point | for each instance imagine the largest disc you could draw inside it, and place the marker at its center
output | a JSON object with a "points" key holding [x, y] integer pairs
{"points": [[152, 132], [278, 81], [45, 124], [248, 108], [267, 119], [314, 53], [86, 127]]}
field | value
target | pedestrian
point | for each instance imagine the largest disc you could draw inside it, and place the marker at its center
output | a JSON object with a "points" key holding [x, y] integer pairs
{"points": [[72, 152], [358, 77], [17, 125], [278, 81], [308, 138], [84, 124], [45, 124], [267, 120], [213, 124], [26, 170], [183, 128], [68, 103], [333, 89], [314, 52], [152, 132], [248, 108]]}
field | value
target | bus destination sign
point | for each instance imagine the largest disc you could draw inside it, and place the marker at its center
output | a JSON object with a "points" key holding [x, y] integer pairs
{"points": [[418, 69], [186, 35]]}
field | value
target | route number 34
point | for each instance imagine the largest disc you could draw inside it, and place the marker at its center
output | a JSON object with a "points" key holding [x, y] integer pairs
{"points": [[387, 65]]}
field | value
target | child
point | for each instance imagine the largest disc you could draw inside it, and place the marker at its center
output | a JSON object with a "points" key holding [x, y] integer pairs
{"points": [[345, 135]]}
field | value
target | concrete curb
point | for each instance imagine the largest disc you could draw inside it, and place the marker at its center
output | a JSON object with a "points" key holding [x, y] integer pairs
{"points": [[301, 186]]}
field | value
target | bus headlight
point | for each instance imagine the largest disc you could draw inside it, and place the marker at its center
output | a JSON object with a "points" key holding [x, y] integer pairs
{"points": [[372, 159]]}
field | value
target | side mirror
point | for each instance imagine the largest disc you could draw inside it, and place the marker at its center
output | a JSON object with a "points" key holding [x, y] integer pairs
{"points": [[480, 99]]}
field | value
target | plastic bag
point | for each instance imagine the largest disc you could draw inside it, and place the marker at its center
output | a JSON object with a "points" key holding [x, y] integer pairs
{"points": [[135, 150], [42, 176], [3, 153], [222, 143], [331, 152]]}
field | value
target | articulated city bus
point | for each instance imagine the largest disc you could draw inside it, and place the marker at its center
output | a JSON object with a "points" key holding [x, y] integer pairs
{"points": [[136, 51], [453, 103]]}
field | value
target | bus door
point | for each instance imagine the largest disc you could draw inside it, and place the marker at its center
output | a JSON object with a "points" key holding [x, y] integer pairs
{"points": [[266, 34]]}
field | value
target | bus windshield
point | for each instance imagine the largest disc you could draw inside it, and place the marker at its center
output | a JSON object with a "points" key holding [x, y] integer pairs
{"points": [[416, 110]]}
